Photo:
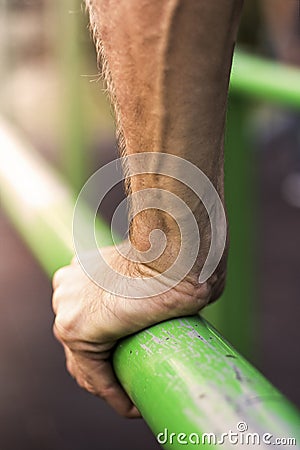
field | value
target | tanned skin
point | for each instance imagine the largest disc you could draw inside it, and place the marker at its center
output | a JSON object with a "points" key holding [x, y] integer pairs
{"points": [[167, 66]]}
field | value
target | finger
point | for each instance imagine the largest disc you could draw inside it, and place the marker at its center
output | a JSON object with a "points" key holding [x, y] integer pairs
{"points": [[55, 300], [100, 380], [57, 334], [59, 276], [70, 362]]}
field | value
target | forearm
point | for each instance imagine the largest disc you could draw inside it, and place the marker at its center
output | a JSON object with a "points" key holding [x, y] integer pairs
{"points": [[168, 64]]}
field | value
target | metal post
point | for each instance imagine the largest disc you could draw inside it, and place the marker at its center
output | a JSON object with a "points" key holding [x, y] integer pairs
{"points": [[252, 77], [74, 140], [238, 298]]}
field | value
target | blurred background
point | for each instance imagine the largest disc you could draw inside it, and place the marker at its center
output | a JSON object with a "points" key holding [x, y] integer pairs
{"points": [[51, 90]]}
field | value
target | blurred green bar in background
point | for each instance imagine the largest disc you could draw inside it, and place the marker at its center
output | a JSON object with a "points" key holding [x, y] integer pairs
{"points": [[237, 300], [252, 78], [74, 158], [39, 202], [261, 79]]}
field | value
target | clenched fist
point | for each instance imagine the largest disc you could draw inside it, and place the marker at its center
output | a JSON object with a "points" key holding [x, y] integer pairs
{"points": [[89, 321]]}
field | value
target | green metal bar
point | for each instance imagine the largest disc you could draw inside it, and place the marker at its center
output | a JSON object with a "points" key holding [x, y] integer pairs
{"points": [[259, 78], [185, 378], [39, 202], [256, 78], [238, 298], [182, 374], [73, 105]]}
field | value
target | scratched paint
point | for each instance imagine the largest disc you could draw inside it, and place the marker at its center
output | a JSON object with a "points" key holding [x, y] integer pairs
{"points": [[187, 378]]}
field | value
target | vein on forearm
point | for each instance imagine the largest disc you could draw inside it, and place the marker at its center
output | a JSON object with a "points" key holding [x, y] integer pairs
{"points": [[167, 68]]}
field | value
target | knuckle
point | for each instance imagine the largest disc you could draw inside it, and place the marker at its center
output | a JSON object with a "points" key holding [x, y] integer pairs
{"points": [[64, 329], [106, 392], [74, 332], [56, 298], [80, 381], [59, 276], [85, 384], [90, 388], [69, 367]]}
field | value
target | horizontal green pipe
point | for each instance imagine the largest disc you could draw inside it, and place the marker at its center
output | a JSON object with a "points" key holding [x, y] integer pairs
{"points": [[182, 375], [262, 79]]}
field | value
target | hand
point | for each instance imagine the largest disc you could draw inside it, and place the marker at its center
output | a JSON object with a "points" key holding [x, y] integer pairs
{"points": [[89, 321]]}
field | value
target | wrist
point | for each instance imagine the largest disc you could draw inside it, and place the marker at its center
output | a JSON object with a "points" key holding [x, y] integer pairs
{"points": [[169, 220], [167, 244]]}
